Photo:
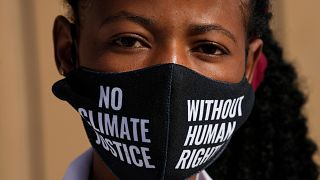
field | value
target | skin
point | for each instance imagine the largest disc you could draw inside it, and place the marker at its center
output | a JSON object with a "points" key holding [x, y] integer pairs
{"points": [[207, 36]]}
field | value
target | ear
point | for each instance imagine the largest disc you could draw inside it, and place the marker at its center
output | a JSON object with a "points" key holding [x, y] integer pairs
{"points": [[254, 51], [63, 42]]}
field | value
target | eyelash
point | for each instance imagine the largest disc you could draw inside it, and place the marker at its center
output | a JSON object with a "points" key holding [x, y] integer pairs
{"points": [[130, 42], [212, 46]]}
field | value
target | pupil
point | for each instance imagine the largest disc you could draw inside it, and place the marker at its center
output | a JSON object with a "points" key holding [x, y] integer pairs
{"points": [[209, 49], [128, 41]]}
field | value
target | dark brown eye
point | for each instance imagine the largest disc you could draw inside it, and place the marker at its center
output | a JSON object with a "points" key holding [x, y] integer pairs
{"points": [[129, 42], [209, 49]]}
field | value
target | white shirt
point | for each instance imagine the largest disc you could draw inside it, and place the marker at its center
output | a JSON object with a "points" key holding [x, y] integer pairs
{"points": [[79, 169]]}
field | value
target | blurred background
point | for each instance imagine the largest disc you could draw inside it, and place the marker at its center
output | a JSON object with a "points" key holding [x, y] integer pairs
{"points": [[40, 135]]}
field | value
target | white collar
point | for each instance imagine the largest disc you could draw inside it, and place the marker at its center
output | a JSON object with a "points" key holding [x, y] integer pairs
{"points": [[79, 168]]}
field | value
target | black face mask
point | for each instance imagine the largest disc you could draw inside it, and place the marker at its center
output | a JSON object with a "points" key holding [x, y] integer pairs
{"points": [[162, 122]]}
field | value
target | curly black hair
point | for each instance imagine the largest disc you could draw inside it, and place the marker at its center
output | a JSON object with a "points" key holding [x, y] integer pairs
{"points": [[273, 143]]}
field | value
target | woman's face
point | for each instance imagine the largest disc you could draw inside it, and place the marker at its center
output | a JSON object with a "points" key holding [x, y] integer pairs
{"points": [[207, 36]]}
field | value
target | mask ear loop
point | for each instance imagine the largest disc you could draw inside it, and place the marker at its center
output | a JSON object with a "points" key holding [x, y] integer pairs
{"points": [[74, 46], [246, 51]]}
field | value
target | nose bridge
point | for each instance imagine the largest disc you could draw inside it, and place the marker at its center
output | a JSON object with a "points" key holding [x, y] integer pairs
{"points": [[172, 51], [169, 53]]}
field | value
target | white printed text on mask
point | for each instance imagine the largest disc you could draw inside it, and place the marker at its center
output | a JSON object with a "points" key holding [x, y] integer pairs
{"points": [[213, 132], [119, 127]]}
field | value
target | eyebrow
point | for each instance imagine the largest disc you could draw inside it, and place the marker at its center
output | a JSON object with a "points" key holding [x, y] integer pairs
{"points": [[195, 28], [203, 28], [128, 16]]}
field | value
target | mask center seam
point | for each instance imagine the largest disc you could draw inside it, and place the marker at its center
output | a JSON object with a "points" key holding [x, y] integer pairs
{"points": [[168, 123]]}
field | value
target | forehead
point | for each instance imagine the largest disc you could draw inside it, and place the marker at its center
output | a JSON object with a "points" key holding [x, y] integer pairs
{"points": [[171, 9], [202, 5]]}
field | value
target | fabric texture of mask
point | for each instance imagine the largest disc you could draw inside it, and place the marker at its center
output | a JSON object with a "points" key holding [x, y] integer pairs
{"points": [[161, 122]]}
